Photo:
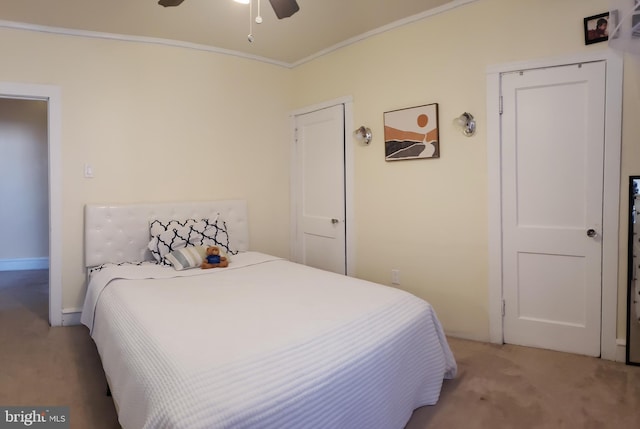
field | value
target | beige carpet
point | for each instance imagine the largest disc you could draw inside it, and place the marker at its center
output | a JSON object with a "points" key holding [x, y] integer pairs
{"points": [[45, 366], [497, 386]]}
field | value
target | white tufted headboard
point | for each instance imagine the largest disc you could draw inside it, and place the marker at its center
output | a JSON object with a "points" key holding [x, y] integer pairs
{"points": [[120, 233]]}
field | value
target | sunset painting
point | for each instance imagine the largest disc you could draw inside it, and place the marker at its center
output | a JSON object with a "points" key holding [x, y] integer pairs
{"points": [[411, 133]]}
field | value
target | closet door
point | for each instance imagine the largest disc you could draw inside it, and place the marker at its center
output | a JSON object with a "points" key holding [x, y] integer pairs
{"points": [[319, 192], [552, 181]]}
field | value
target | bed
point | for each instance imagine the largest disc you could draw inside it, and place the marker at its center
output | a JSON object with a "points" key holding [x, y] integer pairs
{"points": [[263, 343]]}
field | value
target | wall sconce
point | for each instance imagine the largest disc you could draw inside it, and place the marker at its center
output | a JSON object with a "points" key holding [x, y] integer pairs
{"points": [[363, 134], [466, 124]]}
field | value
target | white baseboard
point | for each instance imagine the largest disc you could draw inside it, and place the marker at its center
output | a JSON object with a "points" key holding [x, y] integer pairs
{"points": [[24, 264], [71, 316], [620, 355], [621, 350]]}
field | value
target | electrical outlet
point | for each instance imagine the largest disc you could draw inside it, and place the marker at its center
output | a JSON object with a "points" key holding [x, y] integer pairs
{"points": [[395, 277]]}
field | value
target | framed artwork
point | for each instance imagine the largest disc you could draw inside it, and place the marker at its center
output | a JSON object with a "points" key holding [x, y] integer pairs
{"points": [[412, 133], [596, 28]]}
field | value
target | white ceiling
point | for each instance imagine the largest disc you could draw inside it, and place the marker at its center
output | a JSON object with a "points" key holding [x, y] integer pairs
{"points": [[224, 24]]}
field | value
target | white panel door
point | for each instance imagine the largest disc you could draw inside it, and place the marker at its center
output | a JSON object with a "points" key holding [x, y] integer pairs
{"points": [[552, 182], [320, 209]]}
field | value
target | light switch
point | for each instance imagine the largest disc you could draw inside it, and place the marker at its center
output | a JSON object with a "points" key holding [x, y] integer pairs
{"points": [[88, 171]]}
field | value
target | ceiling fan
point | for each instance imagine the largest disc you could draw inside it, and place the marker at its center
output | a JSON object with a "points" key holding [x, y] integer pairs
{"points": [[282, 8]]}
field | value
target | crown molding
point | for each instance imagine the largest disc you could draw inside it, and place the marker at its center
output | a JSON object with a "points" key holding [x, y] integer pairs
{"points": [[213, 49]]}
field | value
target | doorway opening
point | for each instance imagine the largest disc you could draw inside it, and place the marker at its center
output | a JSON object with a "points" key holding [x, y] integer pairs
{"points": [[24, 220], [51, 97]]}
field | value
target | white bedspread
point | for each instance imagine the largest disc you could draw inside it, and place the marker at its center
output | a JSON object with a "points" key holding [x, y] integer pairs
{"points": [[265, 343]]}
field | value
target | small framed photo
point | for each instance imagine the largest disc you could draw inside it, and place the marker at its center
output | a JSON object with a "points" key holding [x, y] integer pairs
{"points": [[411, 133], [596, 28]]}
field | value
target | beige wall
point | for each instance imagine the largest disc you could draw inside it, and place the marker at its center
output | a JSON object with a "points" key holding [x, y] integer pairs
{"points": [[24, 219], [428, 218], [630, 166], [159, 124]]}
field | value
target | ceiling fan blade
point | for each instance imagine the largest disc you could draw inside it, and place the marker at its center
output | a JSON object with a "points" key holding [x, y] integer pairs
{"points": [[167, 3], [284, 8]]}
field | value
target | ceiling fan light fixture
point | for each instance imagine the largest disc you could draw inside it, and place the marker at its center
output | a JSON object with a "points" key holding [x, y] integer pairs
{"points": [[284, 8], [170, 3]]}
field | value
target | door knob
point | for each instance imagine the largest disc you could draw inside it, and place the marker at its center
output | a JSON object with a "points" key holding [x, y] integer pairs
{"points": [[591, 232], [334, 221]]}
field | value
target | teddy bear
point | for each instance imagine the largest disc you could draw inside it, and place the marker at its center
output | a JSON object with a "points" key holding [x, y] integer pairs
{"points": [[214, 259]]}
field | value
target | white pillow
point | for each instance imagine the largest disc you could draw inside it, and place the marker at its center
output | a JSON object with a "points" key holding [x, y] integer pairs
{"points": [[187, 257], [190, 257]]}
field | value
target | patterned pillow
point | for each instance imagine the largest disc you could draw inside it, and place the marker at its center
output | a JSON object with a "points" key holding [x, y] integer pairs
{"points": [[167, 236], [158, 226], [177, 237], [220, 237]]}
